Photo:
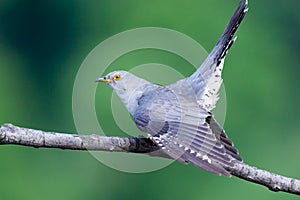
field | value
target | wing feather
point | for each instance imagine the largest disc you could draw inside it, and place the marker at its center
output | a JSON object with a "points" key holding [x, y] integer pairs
{"points": [[185, 130]]}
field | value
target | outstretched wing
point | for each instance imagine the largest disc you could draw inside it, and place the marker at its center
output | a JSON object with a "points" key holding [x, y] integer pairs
{"points": [[206, 81], [185, 131]]}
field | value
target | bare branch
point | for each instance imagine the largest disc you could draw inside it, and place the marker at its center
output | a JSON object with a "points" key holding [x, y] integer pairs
{"points": [[10, 134], [273, 181]]}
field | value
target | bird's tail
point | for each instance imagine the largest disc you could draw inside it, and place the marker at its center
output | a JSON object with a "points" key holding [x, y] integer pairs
{"points": [[226, 40]]}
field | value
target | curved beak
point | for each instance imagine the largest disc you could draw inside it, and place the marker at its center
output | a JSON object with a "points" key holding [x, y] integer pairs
{"points": [[103, 79]]}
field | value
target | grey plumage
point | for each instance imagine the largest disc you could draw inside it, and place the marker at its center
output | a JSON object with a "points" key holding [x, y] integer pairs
{"points": [[206, 81], [178, 117]]}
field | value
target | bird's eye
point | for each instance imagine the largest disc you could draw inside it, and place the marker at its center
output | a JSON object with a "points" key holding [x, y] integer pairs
{"points": [[117, 77]]}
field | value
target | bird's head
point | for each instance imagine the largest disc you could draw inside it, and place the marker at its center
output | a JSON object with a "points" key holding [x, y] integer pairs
{"points": [[114, 78], [127, 86]]}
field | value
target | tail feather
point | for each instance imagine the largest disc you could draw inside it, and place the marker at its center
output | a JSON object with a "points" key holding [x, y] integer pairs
{"points": [[226, 40], [206, 81]]}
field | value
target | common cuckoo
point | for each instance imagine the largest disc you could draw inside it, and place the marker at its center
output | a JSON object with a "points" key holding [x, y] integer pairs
{"points": [[178, 117]]}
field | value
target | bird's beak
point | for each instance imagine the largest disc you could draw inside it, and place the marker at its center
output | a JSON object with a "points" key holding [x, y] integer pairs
{"points": [[103, 79]]}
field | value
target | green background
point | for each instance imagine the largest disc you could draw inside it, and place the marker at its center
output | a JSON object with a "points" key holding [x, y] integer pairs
{"points": [[43, 43]]}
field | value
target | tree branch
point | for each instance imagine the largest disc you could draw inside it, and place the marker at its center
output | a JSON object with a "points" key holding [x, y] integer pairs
{"points": [[10, 134]]}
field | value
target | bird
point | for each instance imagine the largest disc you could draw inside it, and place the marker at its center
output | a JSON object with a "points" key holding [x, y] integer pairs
{"points": [[178, 117]]}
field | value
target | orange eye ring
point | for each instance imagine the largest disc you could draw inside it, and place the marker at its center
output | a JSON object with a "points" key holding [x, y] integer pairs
{"points": [[117, 77]]}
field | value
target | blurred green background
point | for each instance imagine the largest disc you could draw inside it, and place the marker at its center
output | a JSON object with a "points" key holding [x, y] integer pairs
{"points": [[43, 43]]}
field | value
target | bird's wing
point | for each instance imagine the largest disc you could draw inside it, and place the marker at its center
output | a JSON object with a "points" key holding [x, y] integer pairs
{"points": [[185, 131], [206, 81]]}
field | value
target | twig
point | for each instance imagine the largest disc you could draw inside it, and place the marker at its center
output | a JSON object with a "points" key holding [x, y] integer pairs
{"points": [[10, 134]]}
